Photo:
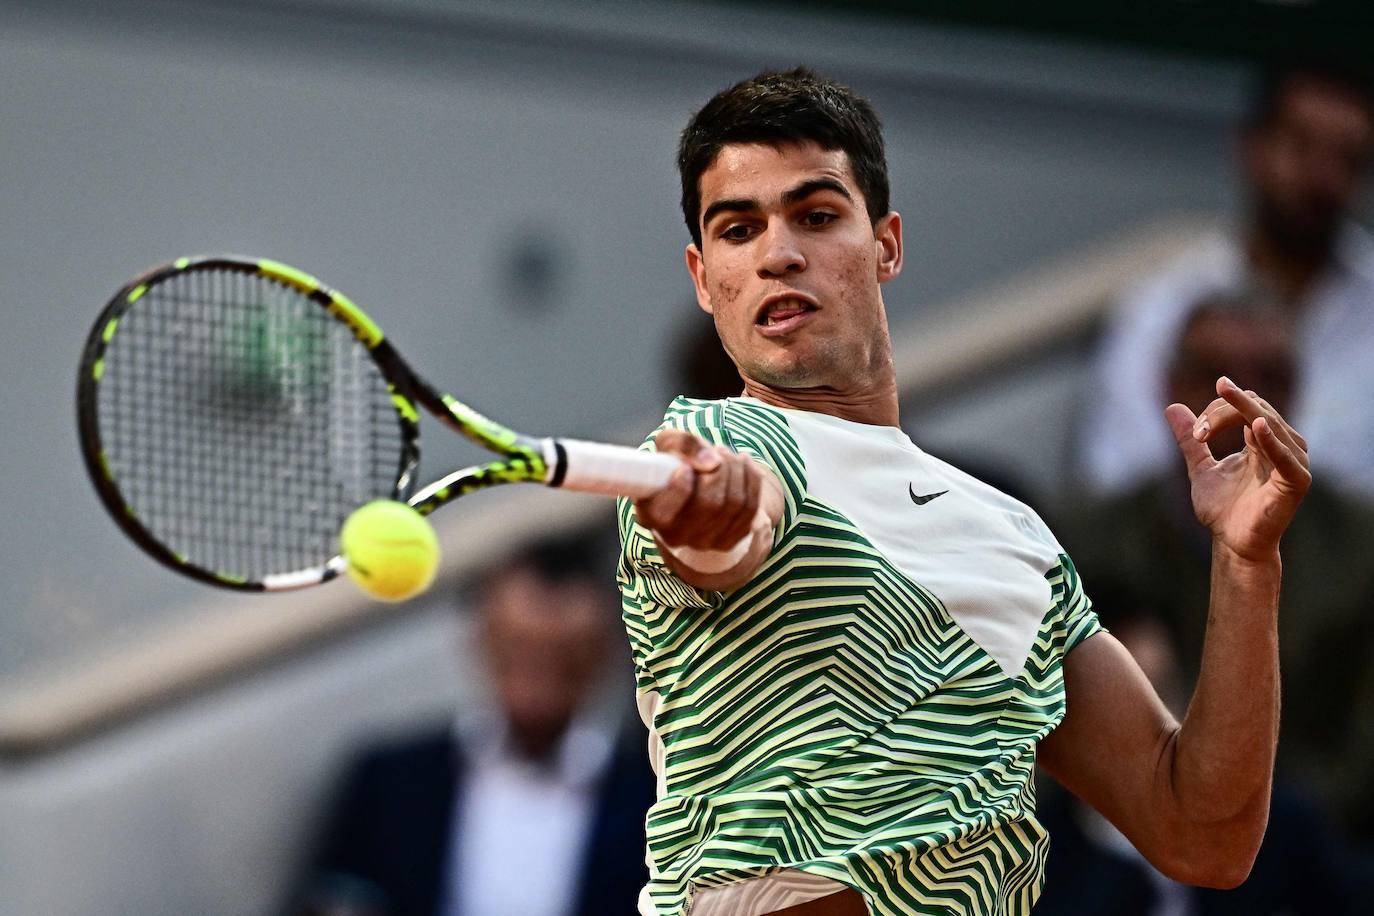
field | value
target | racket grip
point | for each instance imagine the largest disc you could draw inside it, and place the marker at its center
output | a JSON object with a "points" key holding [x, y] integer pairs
{"points": [[612, 470]]}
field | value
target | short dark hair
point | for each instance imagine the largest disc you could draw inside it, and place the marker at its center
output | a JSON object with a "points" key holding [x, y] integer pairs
{"points": [[780, 107], [1278, 75]]}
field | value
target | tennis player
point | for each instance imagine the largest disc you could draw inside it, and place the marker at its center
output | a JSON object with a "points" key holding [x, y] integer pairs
{"points": [[845, 709]]}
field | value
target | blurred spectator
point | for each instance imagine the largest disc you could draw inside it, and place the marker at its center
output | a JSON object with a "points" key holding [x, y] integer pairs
{"points": [[1304, 154], [1093, 870], [1149, 540], [534, 806]]}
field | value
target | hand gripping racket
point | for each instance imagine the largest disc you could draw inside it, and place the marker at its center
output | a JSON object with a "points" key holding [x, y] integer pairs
{"points": [[233, 412]]}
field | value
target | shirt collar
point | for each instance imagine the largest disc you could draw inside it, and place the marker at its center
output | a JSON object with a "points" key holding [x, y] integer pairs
{"points": [[484, 740]]}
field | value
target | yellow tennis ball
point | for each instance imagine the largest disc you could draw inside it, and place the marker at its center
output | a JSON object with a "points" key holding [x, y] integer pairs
{"points": [[391, 549]]}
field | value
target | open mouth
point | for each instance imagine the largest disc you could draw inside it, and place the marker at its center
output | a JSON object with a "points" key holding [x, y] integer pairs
{"points": [[784, 312]]}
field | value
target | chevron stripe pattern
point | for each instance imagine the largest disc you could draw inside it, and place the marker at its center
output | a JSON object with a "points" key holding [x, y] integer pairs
{"points": [[830, 716]]}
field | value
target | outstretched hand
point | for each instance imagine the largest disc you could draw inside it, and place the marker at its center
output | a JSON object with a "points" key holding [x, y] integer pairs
{"points": [[711, 501], [714, 520], [1246, 499]]}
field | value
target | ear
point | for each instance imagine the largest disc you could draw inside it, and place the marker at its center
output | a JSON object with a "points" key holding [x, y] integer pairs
{"points": [[887, 237], [696, 266]]}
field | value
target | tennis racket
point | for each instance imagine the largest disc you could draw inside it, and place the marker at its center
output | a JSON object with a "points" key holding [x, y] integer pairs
{"points": [[233, 412]]}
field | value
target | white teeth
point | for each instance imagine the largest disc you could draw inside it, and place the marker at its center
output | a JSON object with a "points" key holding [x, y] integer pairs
{"points": [[785, 305]]}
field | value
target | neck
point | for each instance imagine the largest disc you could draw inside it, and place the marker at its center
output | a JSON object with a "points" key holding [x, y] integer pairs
{"points": [[1292, 270], [873, 400], [537, 744]]}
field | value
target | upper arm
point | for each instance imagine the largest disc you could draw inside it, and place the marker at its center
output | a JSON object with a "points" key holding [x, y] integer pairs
{"points": [[1115, 749], [1115, 732]]}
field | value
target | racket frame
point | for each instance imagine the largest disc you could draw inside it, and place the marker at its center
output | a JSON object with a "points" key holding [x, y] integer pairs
{"points": [[526, 459]]}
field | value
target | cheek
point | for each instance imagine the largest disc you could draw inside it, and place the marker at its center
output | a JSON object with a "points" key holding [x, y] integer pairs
{"points": [[856, 273], [857, 278], [725, 292]]}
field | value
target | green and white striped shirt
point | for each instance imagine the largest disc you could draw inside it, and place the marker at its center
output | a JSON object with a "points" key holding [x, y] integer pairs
{"points": [[865, 710]]}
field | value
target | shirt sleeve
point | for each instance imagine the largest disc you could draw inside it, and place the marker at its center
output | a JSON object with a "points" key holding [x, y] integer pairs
{"points": [[1079, 619], [649, 589], [751, 430], [763, 435]]}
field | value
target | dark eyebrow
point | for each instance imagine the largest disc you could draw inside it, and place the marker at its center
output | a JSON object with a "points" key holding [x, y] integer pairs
{"points": [[799, 193], [807, 188], [734, 204]]}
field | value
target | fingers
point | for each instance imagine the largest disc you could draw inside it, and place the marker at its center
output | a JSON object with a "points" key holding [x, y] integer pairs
{"points": [[661, 509], [1285, 431], [720, 511], [1291, 465], [734, 517], [1232, 408], [710, 503], [751, 499], [1235, 407]]}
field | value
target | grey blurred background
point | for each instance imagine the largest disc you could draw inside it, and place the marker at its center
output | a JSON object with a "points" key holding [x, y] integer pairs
{"points": [[495, 183], [422, 156]]}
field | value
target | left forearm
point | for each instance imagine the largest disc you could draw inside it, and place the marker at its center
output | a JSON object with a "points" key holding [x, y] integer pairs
{"points": [[1220, 766]]}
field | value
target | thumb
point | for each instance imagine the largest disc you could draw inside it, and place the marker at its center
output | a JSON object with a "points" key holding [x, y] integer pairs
{"points": [[697, 452], [1181, 421]]}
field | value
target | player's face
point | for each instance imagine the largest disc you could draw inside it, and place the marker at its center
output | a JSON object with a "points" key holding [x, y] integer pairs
{"points": [[790, 265], [1308, 165]]}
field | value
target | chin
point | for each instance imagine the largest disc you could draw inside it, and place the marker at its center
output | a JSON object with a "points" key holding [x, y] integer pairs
{"points": [[784, 376]]}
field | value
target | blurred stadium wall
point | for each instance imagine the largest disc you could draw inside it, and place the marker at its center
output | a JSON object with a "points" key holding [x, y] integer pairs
{"points": [[507, 169]]}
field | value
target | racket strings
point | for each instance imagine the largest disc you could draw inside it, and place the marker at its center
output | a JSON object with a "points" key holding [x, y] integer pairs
{"points": [[242, 423]]}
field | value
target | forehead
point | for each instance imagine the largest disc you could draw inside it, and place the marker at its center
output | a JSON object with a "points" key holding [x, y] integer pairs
{"points": [[763, 172], [1323, 106], [519, 602], [1236, 336]]}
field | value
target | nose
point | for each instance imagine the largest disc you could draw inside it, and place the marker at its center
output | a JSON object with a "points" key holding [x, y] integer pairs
{"points": [[780, 254]]}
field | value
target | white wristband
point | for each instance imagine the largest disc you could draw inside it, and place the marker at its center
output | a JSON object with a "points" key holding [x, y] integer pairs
{"points": [[716, 561]]}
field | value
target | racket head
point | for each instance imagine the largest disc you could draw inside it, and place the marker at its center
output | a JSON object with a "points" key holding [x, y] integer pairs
{"points": [[233, 411]]}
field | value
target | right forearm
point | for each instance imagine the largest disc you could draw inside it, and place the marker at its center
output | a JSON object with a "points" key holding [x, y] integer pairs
{"points": [[722, 570]]}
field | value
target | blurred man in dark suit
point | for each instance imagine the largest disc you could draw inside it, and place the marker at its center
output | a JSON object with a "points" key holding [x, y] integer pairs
{"points": [[533, 806]]}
